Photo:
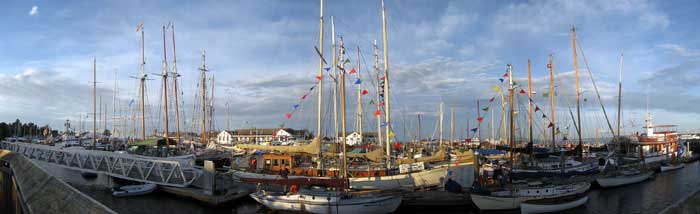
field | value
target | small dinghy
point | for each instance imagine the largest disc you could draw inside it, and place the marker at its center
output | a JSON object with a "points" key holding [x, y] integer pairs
{"points": [[626, 178], [551, 206], [671, 167], [133, 190]]}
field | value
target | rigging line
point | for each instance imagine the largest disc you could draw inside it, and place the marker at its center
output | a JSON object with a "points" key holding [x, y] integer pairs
{"points": [[566, 98], [590, 73]]}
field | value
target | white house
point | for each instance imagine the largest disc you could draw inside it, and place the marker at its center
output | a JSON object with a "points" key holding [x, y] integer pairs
{"points": [[262, 135], [356, 138]]}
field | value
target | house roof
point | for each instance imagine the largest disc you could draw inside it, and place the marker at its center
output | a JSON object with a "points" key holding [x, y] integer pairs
{"points": [[268, 131]]}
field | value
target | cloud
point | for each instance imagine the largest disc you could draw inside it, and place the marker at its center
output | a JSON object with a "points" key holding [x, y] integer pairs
{"points": [[34, 11], [679, 50]]}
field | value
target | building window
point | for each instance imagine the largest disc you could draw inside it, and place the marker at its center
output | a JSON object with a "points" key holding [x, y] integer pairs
{"points": [[275, 162]]}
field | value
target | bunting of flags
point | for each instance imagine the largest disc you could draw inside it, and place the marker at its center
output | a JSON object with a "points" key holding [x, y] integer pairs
{"points": [[296, 106], [352, 71], [522, 91]]}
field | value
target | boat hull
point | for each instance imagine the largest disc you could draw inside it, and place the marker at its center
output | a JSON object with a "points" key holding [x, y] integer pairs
{"points": [[623, 180], [134, 190], [670, 168], [526, 207], [329, 204], [485, 202]]}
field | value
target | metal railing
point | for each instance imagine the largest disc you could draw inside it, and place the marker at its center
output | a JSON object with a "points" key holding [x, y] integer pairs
{"points": [[161, 171]]}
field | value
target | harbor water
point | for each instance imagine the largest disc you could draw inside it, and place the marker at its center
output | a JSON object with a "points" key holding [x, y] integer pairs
{"points": [[651, 196]]}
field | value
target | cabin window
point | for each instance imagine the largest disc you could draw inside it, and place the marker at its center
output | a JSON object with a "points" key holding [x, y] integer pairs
{"points": [[267, 162], [275, 162], [284, 162]]}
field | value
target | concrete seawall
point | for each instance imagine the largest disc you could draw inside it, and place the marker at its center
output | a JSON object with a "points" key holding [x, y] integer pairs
{"points": [[41, 192]]}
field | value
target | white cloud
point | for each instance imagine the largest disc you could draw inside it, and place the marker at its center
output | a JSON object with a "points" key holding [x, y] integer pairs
{"points": [[680, 50], [34, 11]]}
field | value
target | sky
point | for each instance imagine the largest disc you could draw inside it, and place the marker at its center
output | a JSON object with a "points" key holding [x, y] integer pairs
{"points": [[262, 57]]}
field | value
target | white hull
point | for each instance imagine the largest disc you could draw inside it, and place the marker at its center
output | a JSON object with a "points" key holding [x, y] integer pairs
{"points": [[495, 203], [623, 180], [328, 204], [548, 208], [462, 174], [134, 190], [672, 167], [504, 201]]}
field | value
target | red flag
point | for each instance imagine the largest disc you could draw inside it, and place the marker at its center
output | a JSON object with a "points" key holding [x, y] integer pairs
{"points": [[469, 140], [365, 92], [537, 108], [491, 100], [381, 78], [550, 125], [505, 75], [288, 115], [549, 65], [377, 113], [380, 104], [480, 119], [304, 97], [397, 145], [352, 71], [274, 134], [522, 91], [319, 77]]}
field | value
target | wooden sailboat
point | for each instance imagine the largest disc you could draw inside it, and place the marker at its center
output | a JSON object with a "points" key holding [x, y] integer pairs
{"points": [[510, 197]]}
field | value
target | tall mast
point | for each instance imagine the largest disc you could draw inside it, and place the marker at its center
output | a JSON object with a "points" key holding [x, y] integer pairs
{"points": [[503, 119], [142, 84], [387, 109], [359, 97], [165, 89], [379, 108], [511, 135], [211, 105], [342, 107], [418, 133], [175, 91], [99, 113], [335, 80], [203, 69], [529, 95], [320, 74], [619, 99], [478, 125], [115, 106], [452, 125], [440, 124], [228, 117], [551, 94], [94, 103], [578, 98]]}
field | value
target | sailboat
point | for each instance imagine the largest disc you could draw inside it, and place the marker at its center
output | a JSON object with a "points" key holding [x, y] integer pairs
{"points": [[436, 168], [319, 200], [510, 195]]}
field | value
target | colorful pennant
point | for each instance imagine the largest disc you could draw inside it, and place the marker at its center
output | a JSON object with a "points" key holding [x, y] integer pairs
{"points": [[352, 71], [537, 108], [485, 109], [491, 100], [319, 77], [480, 119], [358, 81], [496, 89], [377, 113], [365, 92], [474, 129], [288, 115], [522, 91]]}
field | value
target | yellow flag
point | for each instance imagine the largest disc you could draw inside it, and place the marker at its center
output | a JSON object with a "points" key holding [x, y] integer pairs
{"points": [[391, 134], [496, 89]]}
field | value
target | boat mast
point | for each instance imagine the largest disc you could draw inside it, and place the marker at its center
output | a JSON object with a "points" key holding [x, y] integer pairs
{"points": [[335, 80], [529, 107], [211, 106], [203, 69], [320, 82], [619, 99], [379, 108], [175, 91], [440, 124], [551, 94], [94, 103], [452, 125], [387, 109], [342, 107], [511, 117], [115, 106], [418, 134], [165, 89], [478, 125], [359, 98], [142, 84], [578, 97]]}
